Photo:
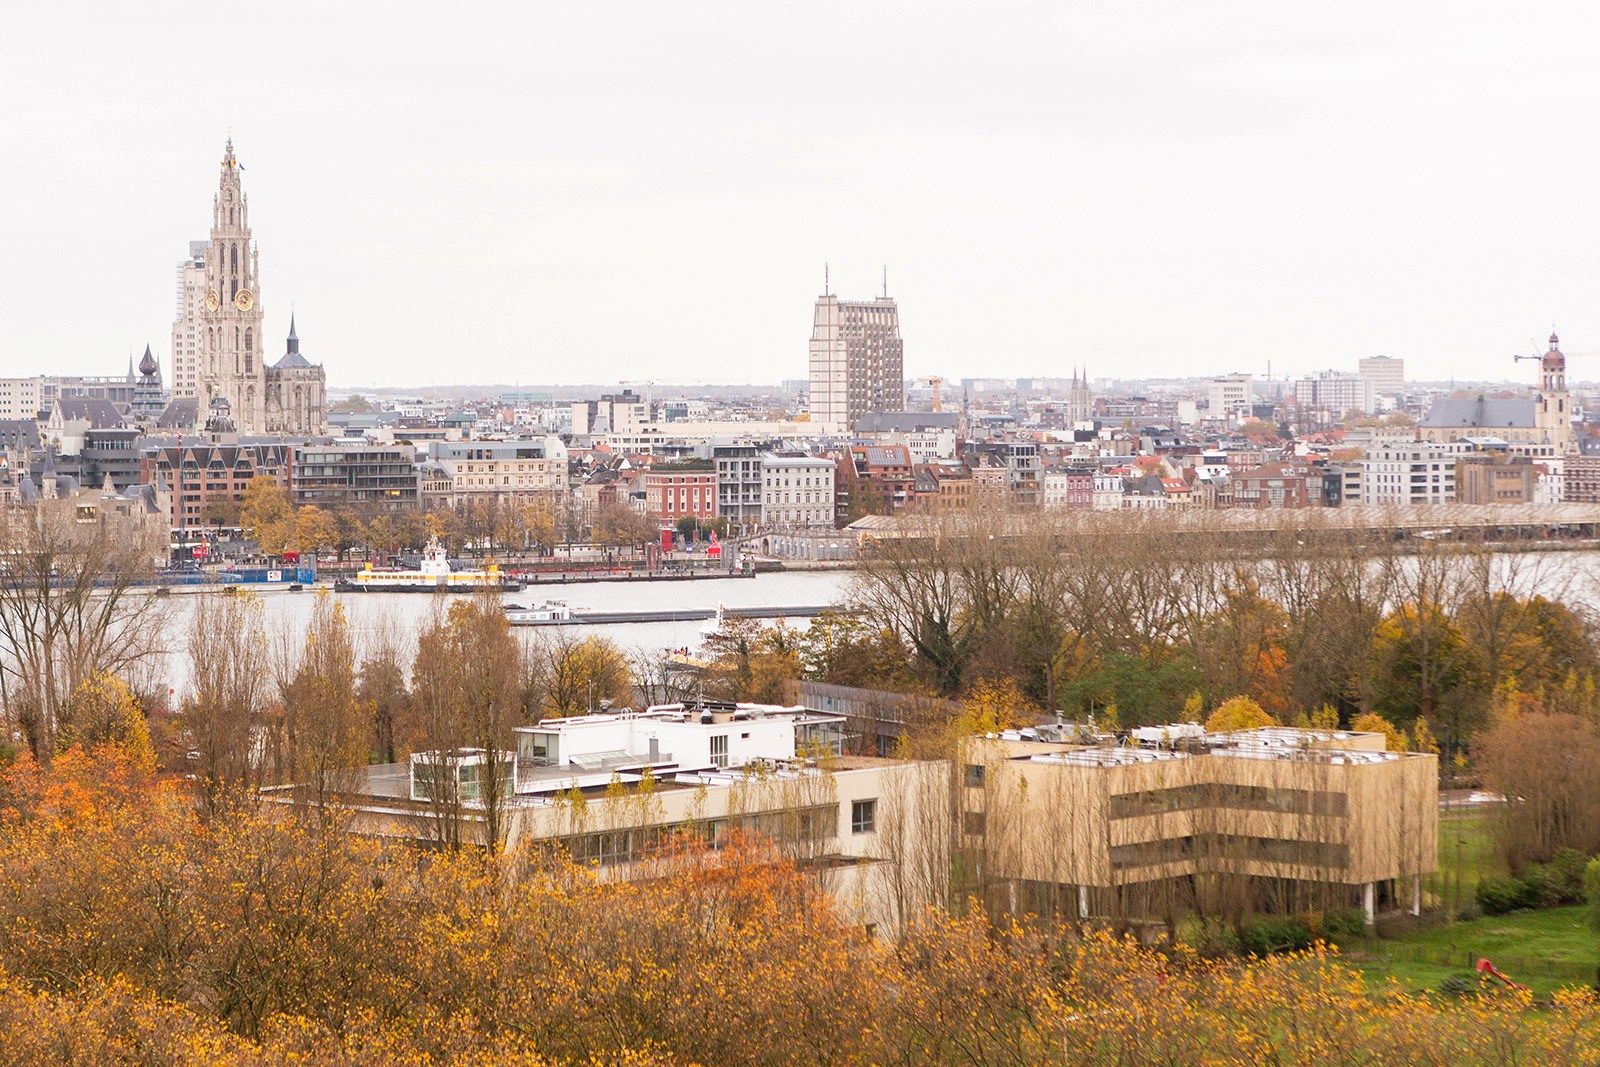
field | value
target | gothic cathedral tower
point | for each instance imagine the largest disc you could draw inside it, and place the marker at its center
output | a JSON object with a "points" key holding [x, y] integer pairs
{"points": [[231, 363]]}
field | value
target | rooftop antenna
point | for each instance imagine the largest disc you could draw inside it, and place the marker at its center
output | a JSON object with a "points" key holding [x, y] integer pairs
{"points": [[886, 281], [825, 289]]}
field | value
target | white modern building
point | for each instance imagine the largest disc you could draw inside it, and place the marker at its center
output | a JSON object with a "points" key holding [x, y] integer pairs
{"points": [[616, 790], [739, 483], [1411, 472], [623, 413], [186, 326], [796, 491], [1387, 374], [1325, 397], [1230, 397]]}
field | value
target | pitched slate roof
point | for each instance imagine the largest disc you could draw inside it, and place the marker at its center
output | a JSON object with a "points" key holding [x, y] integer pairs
{"points": [[1480, 412], [99, 414], [19, 433], [181, 414]]}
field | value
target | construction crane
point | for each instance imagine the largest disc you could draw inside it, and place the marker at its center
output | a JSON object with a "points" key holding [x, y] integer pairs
{"points": [[1537, 355]]}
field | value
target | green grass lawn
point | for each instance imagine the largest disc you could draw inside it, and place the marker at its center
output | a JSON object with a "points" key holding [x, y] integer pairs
{"points": [[1466, 854], [1544, 950]]}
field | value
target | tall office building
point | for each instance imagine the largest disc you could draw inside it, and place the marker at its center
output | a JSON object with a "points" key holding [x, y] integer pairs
{"points": [[186, 327], [1231, 397], [857, 360], [1387, 374], [1328, 395]]}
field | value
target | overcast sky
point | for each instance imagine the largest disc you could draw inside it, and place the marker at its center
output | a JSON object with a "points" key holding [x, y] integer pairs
{"points": [[602, 191]]}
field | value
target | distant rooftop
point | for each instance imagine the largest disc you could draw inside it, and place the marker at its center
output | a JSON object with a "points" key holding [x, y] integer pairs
{"points": [[906, 421]]}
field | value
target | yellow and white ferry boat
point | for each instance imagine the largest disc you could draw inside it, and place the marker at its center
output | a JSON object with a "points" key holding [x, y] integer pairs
{"points": [[434, 575]]}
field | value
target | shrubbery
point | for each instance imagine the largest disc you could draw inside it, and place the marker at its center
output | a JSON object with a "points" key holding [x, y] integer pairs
{"points": [[1497, 896], [1543, 885], [1211, 938], [1342, 925], [1266, 934], [1560, 881]]}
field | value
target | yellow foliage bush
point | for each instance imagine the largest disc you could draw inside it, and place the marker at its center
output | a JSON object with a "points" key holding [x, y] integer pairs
{"points": [[1238, 713], [1395, 739]]}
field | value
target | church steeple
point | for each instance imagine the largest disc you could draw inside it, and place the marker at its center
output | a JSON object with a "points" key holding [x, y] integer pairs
{"points": [[294, 338], [1553, 368], [232, 362]]}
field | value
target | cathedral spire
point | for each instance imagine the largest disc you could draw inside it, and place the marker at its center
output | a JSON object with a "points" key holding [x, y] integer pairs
{"points": [[294, 338]]}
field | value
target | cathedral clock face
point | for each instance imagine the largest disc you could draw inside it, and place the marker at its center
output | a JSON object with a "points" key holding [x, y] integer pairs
{"points": [[212, 302], [245, 300]]}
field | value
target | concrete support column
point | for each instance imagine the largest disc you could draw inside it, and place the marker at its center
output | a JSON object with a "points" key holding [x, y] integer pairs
{"points": [[1369, 903], [1083, 902], [1416, 894]]}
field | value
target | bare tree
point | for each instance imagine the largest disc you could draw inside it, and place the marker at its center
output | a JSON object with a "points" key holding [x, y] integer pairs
{"points": [[467, 683], [326, 729], [382, 687], [222, 716], [70, 606]]}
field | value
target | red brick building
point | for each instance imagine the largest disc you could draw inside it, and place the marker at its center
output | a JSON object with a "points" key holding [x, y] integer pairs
{"points": [[883, 478], [202, 473], [673, 491], [1277, 485]]}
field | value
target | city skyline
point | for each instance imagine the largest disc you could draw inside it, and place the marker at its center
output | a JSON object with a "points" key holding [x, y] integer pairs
{"points": [[1163, 190]]}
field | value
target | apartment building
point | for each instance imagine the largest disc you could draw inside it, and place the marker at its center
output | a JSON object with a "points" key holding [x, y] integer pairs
{"points": [[739, 483], [796, 490], [1277, 485], [510, 469], [1325, 397], [1177, 820], [624, 413], [1021, 462], [191, 293], [674, 491], [1496, 478], [208, 479], [705, 770], [990, 482], [353, 472], [1582, 482], [943, 487], [1411, 472], [21, 398], [1109, 489], [1067, 488], [883, 477]]}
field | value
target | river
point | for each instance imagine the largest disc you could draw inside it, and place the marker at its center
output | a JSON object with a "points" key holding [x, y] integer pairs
{"points": [[1571, 576], [407, 612]]}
